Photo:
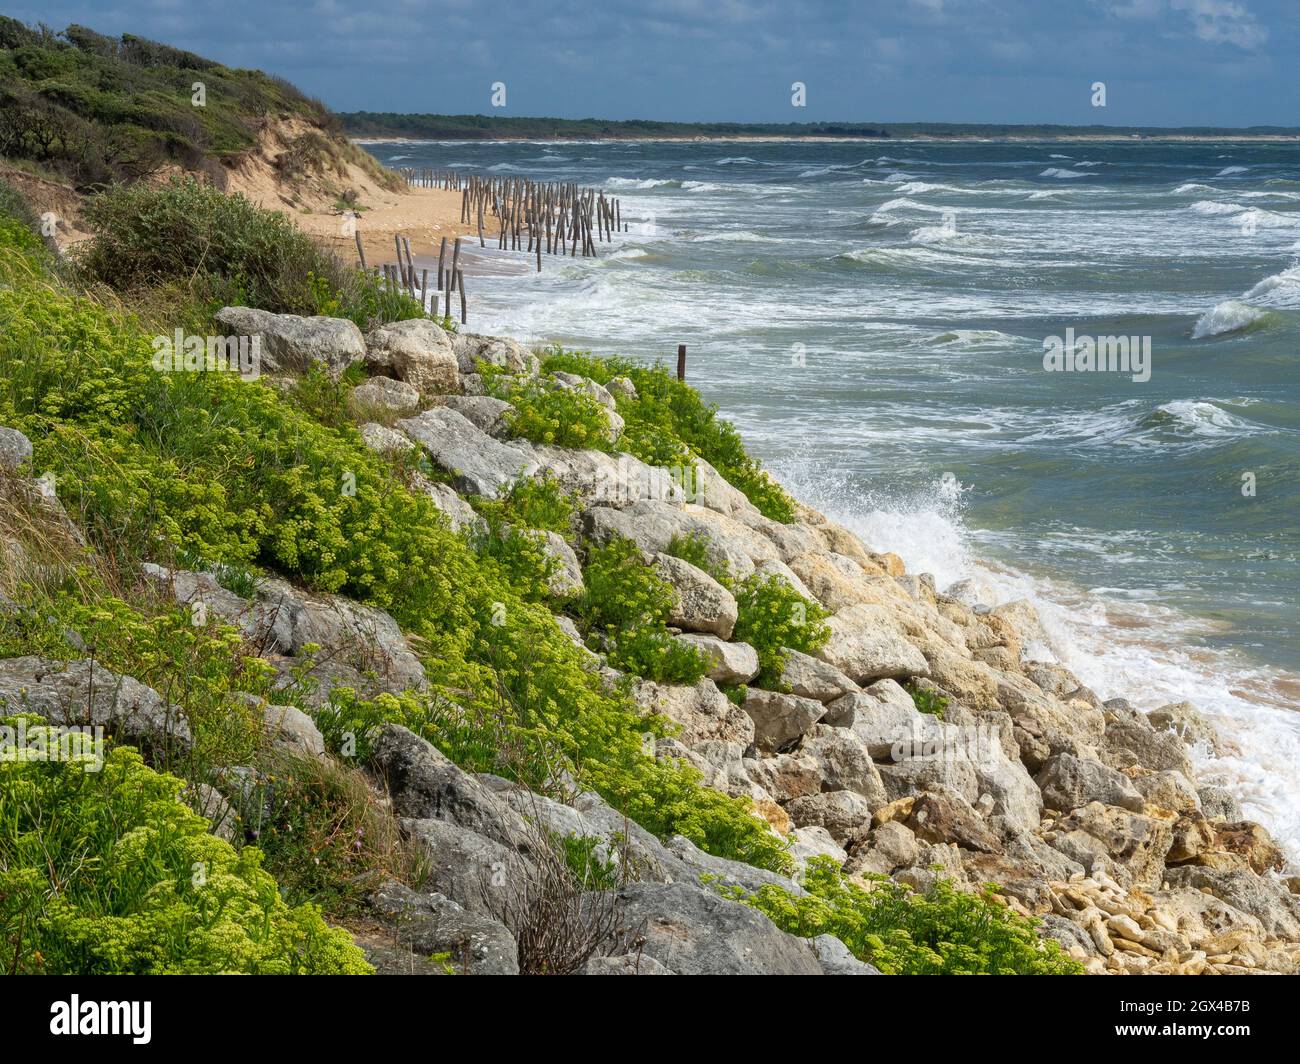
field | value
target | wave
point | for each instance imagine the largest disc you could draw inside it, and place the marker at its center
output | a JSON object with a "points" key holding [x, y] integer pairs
{"points": [[1116, 646], [1194, 417], [730, 160], [639, 183], [1228, 171], [973, 338], [1059, 172], [742, 236], [1230, 316], [917, 188], [1279, 290]]}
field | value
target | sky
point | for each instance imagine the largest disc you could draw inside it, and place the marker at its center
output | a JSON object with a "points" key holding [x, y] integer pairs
{"points": [[1163, 62]]}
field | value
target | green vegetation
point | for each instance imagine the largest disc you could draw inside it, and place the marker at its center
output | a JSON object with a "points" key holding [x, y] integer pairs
{"points": [[928, 700], [92, 109], [155, 464], [939, 931], [625, 610], [546, 412], [670, 424], [223, 250], [108, 872], [538, 503], [773, 617]]}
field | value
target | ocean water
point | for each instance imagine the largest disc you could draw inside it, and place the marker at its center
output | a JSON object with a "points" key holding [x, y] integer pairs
{"points": [[873, 317]]}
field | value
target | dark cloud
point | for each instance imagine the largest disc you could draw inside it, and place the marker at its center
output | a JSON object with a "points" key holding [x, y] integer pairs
{"points": [[1166, 62]]}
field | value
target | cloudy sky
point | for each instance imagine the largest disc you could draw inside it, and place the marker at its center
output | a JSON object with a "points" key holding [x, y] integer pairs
{"points": [[1164, 62]]}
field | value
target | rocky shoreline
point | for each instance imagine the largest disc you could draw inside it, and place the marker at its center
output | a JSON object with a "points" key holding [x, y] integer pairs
{"points": [[921, 741]]}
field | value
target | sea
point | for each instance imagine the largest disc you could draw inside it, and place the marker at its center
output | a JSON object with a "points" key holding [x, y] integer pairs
{"points": [[907, 335]]}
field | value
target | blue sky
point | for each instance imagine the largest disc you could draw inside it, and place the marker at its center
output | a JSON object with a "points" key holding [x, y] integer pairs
{"points": [[1164, 62]]}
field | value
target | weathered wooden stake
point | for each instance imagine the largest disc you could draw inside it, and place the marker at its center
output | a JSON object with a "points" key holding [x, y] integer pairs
{"points": [[681, 362]]}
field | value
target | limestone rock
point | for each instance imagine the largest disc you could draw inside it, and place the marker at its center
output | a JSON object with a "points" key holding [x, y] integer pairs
{"points": [[432, 925], [866, 646], [384, 395], [780, 719], [479, 464], [418, 352], [810, 677], [292, 343], [15, 450], [729, 663], [694, 932], [1068, 782], [703, 605], [702, 711], [85, 693]]}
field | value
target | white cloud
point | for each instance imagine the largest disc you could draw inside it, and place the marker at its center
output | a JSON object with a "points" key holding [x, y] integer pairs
{"points": [[1223, 22], [1214, 21]]}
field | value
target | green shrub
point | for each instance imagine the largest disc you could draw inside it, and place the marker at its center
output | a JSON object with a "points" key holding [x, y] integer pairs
{"points": [[546, 412], [109, 873], [322, 833], [928, 700], [669, 423], [626, 605], [538, 502], [941, 931], [156, 466], [774, 617], [693, 548], [230, 250]]}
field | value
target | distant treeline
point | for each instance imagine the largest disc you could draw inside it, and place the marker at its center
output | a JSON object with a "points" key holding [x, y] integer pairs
{"points": [[496, 127], [493, 127]]}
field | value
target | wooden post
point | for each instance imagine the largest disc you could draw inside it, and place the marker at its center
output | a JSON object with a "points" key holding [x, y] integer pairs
{"points": [[401, 266], [460, 283], [442, 256], [424, 284], [361, 251], [681, 362], [455, 264]]}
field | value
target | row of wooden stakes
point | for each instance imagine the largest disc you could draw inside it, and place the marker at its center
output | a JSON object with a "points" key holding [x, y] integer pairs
{"points": [[558, 218], [401, 276]]}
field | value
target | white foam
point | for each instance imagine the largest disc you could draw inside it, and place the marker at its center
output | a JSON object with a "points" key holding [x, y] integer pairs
{"points": [[1232, 315], [1059, 172], [1118, 645], [1228, 171], [1280, 290]]}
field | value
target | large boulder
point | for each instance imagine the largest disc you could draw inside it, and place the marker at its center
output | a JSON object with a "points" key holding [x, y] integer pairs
{"points": [[728, 663], [383, 396], [15, 450], [499, 352], [702, 604], [365, 637], [428, 925], [424, 784], [72, 693], [1068, 782], [478, 463], [483, 411], [809, 677], [692, 931], [701, 711], [294, 344], [481, 874], [866, 645], [780, 719], [418, 352], [844, 762]]}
